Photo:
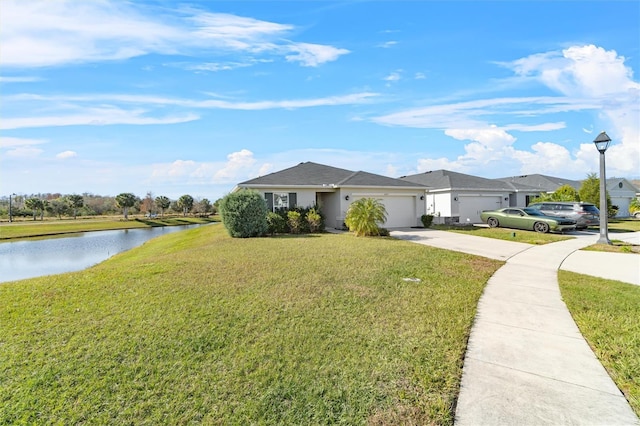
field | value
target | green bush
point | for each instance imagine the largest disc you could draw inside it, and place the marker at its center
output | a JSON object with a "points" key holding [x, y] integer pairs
{"points": [[276, 223], [364, 215], [314, 219], [294, 220], [426, 220], [244, 214], [305, 226]]}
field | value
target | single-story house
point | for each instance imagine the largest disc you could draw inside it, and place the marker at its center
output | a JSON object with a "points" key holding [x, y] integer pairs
{"points": [[333, 190], [454, 197], [620, 190]]}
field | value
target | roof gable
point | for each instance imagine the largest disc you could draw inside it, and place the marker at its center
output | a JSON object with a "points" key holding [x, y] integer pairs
{"points": [[542, 182], [446, 179], [314, 174], [303, 174]]}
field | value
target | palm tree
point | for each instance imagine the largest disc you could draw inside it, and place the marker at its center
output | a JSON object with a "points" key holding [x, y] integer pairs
{"points": [[163, 203], [76, 202], [125, 201], [185, 203], [364, 215]]}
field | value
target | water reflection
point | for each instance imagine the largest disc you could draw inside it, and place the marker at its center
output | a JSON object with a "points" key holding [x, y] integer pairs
{"points": [[72, 252]]}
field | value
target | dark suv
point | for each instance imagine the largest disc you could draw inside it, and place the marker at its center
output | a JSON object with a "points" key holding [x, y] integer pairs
{"points": [[585, 214]]}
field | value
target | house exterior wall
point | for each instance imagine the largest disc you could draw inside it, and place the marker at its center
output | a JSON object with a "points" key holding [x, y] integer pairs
{"points": [[404, 207], [621, 193]]}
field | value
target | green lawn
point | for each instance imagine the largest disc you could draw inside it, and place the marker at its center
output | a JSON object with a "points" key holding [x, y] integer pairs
{"points": [[623, 225], [608, 315], [198, 327], [517, 235], [53, 227]]}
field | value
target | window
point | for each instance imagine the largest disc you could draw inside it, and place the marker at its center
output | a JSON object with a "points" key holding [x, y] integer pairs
{"points": [[280, 200]]}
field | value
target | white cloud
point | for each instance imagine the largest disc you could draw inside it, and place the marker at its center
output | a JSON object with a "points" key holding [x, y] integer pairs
{"points": [[394, 76], [420, 76], [24, 79], [588, 78], [387, 44], [237, 165], [93, 117], [312, 55], [23, 152], [77, 109], [491, 137], [6, 142], [66, 154], [39, 33]]}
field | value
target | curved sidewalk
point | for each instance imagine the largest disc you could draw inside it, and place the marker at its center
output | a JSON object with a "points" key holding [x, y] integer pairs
{"points": [[527, 363]]}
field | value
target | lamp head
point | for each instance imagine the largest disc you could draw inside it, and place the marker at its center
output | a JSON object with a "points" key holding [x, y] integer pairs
{"points": [[602, 142]]}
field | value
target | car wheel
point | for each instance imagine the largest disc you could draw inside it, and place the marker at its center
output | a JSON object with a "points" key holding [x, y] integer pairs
{"points": [[541, 227], [492, 222], [636, 215]]}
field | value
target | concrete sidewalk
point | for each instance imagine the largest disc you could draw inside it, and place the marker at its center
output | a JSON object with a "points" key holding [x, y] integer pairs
{"points": [[527, 363]]}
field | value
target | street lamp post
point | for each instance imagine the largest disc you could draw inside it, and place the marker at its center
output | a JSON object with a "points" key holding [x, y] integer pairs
{"points": [[602, 143]]}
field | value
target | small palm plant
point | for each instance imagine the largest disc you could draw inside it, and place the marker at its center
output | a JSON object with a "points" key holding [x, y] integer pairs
{"points": [[364, 215]]}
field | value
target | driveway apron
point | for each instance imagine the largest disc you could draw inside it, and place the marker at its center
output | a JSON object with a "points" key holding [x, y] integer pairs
{"points": [[526, 362]]}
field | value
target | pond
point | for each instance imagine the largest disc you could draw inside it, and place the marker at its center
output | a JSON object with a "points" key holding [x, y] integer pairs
{"points": [[71, 252]]}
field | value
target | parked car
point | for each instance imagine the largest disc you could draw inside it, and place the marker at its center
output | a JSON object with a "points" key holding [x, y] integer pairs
{"points": [[585, 214], [527, 219]]}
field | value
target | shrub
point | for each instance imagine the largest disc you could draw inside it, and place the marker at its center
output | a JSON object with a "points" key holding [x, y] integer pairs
{"points": [[244, 214], [314, 219], [426, 220], [294, 220], [364, 215], [276, 223]]}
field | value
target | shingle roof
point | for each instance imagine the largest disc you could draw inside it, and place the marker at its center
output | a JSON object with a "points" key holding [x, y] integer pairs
{"points": [[314, 174], [542, 182], [445, 179]]}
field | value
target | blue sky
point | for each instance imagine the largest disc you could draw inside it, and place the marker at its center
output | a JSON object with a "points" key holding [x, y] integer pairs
{"points": [[193, 97]]}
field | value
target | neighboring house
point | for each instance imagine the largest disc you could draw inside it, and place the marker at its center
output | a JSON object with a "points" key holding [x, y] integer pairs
{"points": [[460, 198], [621, 192], [542, 183], [333, 190]]}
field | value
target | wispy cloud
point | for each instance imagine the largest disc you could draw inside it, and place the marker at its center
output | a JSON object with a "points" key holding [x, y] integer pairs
{"points": [[387, 44], [66, 154], [24, 79], [81, 109], [42, 33], [93, 117]]}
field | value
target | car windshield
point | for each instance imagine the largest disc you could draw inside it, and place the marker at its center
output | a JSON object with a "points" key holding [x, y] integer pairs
{"points": [[532, 212], [591, 209]]}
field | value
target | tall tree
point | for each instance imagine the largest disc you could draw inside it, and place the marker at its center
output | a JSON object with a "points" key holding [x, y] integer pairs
{"points": [[590, 193], [33, 204], [58, 207], [205, 206], [75, 202], [185, 204], [162, 203], [147, 203], [125, 201]]}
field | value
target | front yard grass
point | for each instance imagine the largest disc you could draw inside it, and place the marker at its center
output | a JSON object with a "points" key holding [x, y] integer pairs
{"points": [[607, 314], [196, 327], [517, 235]]}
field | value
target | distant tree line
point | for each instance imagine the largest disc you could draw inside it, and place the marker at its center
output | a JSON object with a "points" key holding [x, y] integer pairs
{"points": [[59, 205]]}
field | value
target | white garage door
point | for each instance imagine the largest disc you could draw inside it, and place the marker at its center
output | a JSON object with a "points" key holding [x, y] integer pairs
{"points": [[623, 206], [470, 206], [401, 211]]}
